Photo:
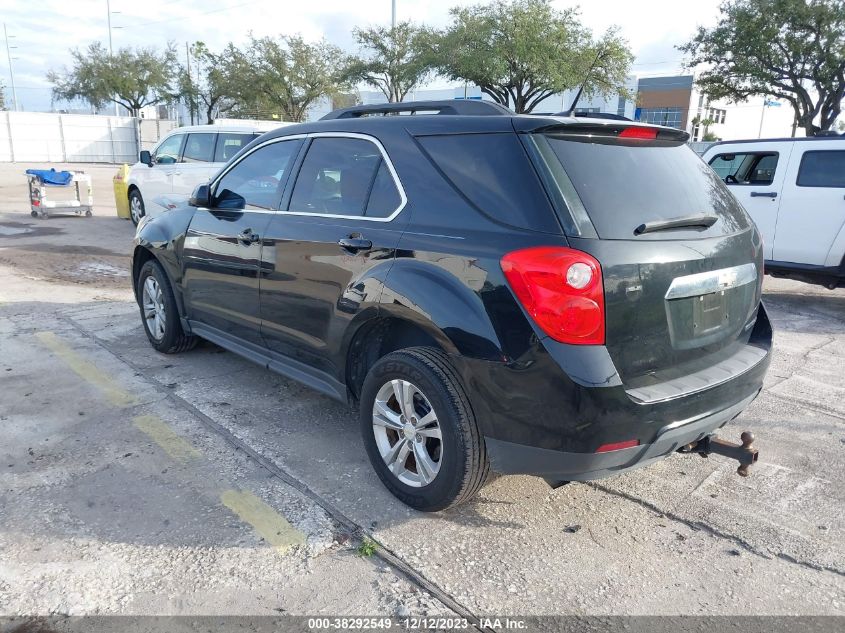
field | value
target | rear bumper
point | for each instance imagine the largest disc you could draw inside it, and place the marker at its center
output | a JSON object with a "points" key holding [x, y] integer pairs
{"points": [[509, 458]]}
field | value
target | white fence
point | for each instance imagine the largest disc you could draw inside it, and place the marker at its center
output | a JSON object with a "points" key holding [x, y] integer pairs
{"points": [[43, 137]]}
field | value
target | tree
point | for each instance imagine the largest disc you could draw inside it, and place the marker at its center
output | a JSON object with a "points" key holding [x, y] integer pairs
{"points": [[789, 49], [522, 52], [288, 74], [214, 85], [130, 78], [396, 59]]}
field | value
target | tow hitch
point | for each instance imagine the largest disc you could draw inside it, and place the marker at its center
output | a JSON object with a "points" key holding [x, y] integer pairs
{"points": [[744, 453]]}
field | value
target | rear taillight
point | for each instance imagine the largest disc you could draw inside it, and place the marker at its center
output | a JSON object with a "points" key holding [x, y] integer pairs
{"points": [[561, 289]]}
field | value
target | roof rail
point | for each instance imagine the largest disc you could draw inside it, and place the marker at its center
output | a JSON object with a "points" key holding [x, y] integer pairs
{"points": [[463, 107]]}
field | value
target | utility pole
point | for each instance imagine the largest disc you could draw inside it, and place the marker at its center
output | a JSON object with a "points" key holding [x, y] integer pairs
{"points": [[393, 14], [11, 72], [111, 50], [188, 70]]}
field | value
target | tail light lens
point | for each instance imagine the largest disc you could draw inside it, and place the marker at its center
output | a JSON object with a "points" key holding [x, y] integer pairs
{"points": [[561, 289]]}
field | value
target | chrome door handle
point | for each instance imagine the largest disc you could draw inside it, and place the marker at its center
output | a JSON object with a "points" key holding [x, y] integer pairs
{"points": [[764, 194], [354, 244]]}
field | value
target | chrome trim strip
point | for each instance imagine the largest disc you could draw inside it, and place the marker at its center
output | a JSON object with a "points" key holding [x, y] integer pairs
{"points": [[403, 198], [712, 281]]}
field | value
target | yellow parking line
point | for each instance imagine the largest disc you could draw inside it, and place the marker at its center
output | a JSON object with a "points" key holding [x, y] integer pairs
{"points": [[160, 432], [265, 520], [86, 370]]}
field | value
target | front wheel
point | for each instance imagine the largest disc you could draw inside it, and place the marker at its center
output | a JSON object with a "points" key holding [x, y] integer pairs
{"points": [[136, 206], [159, 313], [420, 432]]}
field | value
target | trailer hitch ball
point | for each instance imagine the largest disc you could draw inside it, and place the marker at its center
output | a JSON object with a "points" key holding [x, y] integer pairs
{"points": [[744, 453]]}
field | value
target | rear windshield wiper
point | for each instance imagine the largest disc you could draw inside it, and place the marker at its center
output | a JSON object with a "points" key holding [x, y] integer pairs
{"points": [[703, 221]]}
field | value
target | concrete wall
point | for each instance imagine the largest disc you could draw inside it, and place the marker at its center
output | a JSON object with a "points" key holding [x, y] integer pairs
{"points": [[47, 137]]}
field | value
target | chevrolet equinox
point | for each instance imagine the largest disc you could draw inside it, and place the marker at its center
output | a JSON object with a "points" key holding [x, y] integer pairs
{"points": [[563, 297]]}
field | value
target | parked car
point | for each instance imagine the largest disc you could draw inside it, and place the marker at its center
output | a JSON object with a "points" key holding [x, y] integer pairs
{"points": [[563, 297], [794, 189], [183, 159]]}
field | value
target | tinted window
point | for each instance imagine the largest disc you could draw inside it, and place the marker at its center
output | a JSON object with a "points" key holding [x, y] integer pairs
{"points": [[623, 186], [822, 169], [229, 144], [336, 177], [259, 178], [384, 197], [494, 173], [199, 148], [168, 152], [746, 168]]}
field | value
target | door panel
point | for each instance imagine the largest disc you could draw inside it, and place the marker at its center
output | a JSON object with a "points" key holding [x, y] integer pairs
{"points": [[158, 180], [325, 258], [812, 212], [222, 252], [756, 179]]}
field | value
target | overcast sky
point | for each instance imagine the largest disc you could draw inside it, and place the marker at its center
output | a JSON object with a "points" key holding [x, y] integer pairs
{"points": [[44, 34]]}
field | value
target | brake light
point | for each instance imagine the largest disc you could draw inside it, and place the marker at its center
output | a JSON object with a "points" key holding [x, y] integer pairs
{"points": [[561, 289], [649, 133], [606, 448]]}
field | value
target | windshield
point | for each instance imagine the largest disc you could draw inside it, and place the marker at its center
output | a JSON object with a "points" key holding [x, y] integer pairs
{"points": [[622, 186]]}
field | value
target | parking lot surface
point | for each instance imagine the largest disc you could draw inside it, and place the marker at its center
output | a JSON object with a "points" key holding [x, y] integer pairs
{"points": [[134, 482]]}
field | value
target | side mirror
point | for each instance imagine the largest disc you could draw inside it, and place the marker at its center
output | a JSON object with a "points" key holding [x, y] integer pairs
{"points": [[146, 158], [201, 197]]}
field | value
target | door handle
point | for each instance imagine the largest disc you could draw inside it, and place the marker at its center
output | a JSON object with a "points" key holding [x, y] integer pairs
{"points": [[354, 243], [764, 194], [248, 237]]}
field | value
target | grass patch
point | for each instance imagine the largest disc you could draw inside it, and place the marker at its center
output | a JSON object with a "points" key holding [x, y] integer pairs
{"points": [[367, 547]]}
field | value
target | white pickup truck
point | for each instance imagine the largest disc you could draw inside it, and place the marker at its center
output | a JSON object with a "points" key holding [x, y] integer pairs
{"points": [[187, 157], [794, 190]]}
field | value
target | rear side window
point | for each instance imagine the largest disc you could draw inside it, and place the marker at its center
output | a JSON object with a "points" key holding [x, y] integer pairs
{"points": [[229, 144], [746, 168], [624, 185], [493, 172], [199, 148], [822, 169], [338, 177]]}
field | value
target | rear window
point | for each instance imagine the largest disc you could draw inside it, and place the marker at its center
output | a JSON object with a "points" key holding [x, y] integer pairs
{"points": [[493, 172], [822, 169], [624, 185], [229, 144]]}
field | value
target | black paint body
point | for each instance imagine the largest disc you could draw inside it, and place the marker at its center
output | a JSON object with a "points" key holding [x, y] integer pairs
{"points": [[300, 304]]}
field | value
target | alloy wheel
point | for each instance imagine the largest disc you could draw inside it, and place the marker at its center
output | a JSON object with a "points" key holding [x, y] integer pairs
{"points": [[407, 433], [152, 301], [135, 209]]}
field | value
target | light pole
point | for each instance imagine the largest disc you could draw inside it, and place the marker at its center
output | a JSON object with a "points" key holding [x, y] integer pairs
{"points": [[393, 14], [11, 72], [111, 50]]}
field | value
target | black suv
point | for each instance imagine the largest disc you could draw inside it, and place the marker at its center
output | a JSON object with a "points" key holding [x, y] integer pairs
{"points": [[562, 297]]}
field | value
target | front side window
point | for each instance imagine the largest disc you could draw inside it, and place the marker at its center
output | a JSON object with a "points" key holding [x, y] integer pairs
{"points": [[345, 177], [199, 148], [229, 144], [168, 152], [258, 179], [746, 168], [822, 169]]}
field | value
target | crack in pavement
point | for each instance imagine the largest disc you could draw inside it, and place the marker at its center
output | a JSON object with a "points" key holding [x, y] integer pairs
{"points": [[356, 531], [713, 531]]}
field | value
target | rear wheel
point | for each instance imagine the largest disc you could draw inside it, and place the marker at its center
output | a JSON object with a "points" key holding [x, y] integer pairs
{"points": [[420, 432], [159, 313], [136, 206]]}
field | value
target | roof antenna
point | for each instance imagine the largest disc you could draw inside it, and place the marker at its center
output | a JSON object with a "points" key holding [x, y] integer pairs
{"points": [[571, 112]]}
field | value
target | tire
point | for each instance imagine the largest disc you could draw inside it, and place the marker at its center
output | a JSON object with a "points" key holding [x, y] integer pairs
{"points": [[136, 206], [459, 457], [159, 313], [34, 214]]}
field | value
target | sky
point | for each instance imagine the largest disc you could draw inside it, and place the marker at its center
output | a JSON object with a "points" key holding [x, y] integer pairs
{"points": [[43, 37]]}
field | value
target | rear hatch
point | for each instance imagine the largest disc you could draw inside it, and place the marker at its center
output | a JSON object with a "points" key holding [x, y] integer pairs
{"points": [[681, 260]]}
